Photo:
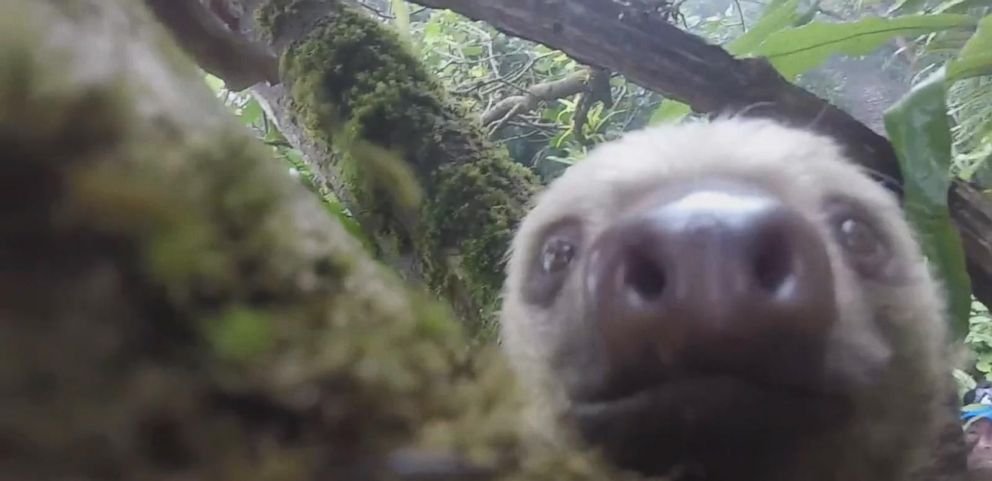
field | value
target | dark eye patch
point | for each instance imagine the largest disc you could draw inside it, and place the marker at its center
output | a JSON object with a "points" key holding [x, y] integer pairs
{"points": [[866, 247], [554, 257]]}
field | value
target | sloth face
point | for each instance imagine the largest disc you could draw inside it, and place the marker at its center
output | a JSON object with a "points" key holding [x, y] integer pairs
{"points": [[721, 297]]}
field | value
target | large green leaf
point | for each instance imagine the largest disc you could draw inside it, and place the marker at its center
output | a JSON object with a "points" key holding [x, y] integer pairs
{"points": [[975, 58], [776, 16], [919, 128], [795, 50]]}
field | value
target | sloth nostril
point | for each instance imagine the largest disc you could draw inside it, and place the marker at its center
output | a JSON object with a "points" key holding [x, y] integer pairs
{"points": [[772, 261], [644, 276]]}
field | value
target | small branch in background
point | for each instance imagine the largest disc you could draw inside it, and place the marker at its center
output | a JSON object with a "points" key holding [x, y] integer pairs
{"points": [[597, 90], [740, 13], [376, 12], [580, 118], [509, 107], [671, 11], [208, 35], [515, 109]]}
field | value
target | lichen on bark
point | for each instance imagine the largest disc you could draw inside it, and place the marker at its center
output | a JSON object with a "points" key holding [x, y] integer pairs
{"points": [[355, 83], [176, 307]]}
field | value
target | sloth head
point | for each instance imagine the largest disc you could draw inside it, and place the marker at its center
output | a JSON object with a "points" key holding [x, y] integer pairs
{"points": [[726, 300]]}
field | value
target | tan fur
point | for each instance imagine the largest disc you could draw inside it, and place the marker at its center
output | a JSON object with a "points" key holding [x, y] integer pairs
{"points": [[902, 362]]}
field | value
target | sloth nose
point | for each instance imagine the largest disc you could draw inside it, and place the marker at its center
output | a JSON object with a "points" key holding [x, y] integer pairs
{"points": [[719, 277]]}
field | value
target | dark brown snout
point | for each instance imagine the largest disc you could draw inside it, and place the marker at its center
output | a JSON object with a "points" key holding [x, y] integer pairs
{"points": [[717, 278]]}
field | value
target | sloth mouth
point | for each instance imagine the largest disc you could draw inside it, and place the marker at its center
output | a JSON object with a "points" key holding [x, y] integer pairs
{"points": [[715, 396], [715, 422]]}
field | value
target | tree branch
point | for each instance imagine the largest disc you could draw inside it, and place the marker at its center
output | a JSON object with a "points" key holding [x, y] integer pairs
{"points": [[215, 47], [574, 83]]}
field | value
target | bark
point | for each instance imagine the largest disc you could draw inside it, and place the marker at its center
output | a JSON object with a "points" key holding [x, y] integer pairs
{"points": [[174, 306], [206, 33], [632, 38], [574, 83]]}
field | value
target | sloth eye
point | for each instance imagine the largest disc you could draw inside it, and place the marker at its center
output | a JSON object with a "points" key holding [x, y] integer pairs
{"points": [[557, 254], [864, 246], [552, 261], [859, 238]]}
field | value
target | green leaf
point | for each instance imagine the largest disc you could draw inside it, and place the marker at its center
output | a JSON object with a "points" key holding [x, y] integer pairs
{"points": [[670, 111], [251, 112], [983, 366], [432, 31], [216, 85], [472, 50], [796, 50], [975, 58], [919, 128], [337, 210], [777, 15]]}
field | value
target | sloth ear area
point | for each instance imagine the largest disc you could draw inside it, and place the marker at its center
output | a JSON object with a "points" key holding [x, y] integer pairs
{"points": [[554, 256]]}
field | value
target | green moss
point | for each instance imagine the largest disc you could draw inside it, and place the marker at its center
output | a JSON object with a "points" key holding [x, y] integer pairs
{"points": [[355, 83], [270, 15], [240, 333]]}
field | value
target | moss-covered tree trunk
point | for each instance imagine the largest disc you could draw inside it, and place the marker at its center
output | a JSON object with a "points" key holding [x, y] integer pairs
{"points": [[173, 306], [414, 166]]}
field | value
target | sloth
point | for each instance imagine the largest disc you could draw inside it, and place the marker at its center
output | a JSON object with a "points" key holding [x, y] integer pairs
{"points": [[730, 299]]}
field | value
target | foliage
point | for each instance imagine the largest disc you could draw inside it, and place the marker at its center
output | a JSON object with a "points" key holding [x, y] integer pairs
{"points": [[969, 99], [479, 66], [975, 58], [919, 129], [776, 16], [970, 105], [796, 50], [979, 338], [941, 31]]}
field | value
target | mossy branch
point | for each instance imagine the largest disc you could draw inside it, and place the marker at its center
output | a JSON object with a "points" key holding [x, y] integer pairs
{"points": [[175, 306], [350, 81]]}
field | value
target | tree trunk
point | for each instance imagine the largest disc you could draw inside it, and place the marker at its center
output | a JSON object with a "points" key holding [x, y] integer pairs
{"points": [[174, 306], [381, 132]]}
